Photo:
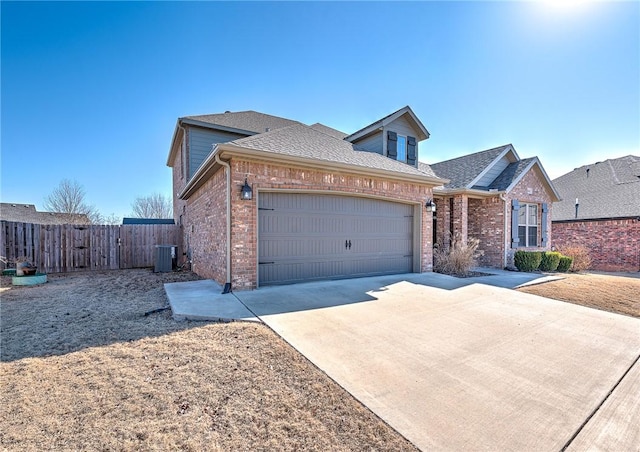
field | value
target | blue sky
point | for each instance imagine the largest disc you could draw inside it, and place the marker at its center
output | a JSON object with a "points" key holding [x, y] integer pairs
{"points": [[91, 91]]}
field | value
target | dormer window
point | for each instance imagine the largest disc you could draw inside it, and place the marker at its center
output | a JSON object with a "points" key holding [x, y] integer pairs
{"points": [[402, 149]]}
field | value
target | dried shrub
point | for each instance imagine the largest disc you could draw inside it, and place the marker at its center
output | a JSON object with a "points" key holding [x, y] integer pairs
{"points": [[459, 258], [527, 261], [565, 264], [550, 261], [580, 256]]}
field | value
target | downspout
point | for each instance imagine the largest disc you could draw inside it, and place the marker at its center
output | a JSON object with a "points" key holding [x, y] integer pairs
{"points": [[506, 238], [227, 284]]}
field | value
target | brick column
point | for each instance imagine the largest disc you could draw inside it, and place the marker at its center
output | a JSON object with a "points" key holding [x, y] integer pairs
{"points": [[443, 218], [460, 214]]}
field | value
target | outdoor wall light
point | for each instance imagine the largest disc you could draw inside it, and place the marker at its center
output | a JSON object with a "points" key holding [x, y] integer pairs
{"points": [[430, 205], [246, 193]]}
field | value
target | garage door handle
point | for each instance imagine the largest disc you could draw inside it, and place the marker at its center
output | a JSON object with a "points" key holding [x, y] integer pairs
{"points": [[349, 244]]}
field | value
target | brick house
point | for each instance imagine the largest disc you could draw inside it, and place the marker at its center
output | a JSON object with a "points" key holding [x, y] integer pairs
{"points": [[498, 198], [600, 209], [27, 213], [293, 202]]}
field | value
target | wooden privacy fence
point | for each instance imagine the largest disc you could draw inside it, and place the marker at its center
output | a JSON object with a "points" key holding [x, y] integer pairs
{"points": [[58, 248]]}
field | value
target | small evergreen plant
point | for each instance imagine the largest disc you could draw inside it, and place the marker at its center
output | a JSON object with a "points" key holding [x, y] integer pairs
{"points": [[565, 264], [550, 261], [527, 261]]}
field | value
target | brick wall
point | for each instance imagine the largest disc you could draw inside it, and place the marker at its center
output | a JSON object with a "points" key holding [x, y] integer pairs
{"points": [[460, 219], [204, 226], [206, 213], [614, 245], [486, 223], [530, 189], [484, 219]]}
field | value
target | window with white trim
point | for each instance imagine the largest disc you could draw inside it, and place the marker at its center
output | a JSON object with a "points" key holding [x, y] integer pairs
{"points": [[402, 149], [528, 225]]}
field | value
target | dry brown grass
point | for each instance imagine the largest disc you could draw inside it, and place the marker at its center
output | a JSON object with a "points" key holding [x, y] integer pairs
{"points": [[83, 369], [607, 292]]}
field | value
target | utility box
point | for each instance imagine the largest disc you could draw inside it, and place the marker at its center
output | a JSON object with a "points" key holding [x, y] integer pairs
{"points": [[166, 258]]}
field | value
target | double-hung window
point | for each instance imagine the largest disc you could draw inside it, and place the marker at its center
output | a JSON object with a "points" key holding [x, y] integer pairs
{"points": [[528, 225]]}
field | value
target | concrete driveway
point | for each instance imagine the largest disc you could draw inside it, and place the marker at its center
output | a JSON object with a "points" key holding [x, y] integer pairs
{"points": [[474, 367]]}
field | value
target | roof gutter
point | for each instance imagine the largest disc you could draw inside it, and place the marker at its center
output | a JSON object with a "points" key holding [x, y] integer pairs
{"points": [[467, 191], [227, 284], [227, 150]]}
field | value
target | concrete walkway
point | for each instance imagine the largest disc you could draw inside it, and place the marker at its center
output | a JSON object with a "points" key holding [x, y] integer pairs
{"points": [[203, 300], [455, 364]]}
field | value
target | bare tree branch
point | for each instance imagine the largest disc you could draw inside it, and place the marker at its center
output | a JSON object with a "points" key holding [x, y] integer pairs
{"points": [[69, 198], [152, 206]]}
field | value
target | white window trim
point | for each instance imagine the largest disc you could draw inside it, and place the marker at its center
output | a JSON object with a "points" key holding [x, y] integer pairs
{"points": [[406, 150], [526, 224]]}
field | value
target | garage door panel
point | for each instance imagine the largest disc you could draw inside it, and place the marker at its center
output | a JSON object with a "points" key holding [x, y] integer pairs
{"points": [[306, 237]]}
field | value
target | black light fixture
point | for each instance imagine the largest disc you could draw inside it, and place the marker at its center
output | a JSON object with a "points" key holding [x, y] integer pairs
{"points": [[430, 205], [246, 193]]}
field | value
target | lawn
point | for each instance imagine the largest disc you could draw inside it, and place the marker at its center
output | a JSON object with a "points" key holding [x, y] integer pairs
{"points": [[618, 294], [83, 369]]}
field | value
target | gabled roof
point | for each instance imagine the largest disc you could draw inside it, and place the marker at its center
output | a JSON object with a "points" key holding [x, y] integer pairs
{"points": [[423, 133], [27, 213], [469, 172], [464, 171], [511, 173], [242, 122], [312, 146], [304, 141], [329, 130], [249, 121], [609, 189]]}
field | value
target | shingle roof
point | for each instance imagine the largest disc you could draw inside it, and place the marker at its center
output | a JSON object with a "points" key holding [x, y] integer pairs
{"points": [[420, 128], [251, 121], [328, 130], [463, 170], [26, 213], [510, 174], [300, 140], [129, 220], [609, 189]]}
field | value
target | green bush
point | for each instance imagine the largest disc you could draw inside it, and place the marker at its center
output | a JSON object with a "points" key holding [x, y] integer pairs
{"points": [[527, 261], [565, 264], [550, 261]]}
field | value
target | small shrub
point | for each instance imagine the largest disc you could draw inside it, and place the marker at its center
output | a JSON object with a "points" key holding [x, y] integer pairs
{"points": [[580, 256], [527, 261], [550, 261], [565, 264], [457, 259]]}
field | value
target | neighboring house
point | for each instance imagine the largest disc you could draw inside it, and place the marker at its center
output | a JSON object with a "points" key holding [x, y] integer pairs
{"points": [[498, 198], [27, 213], [293, 202], [600, 209]]}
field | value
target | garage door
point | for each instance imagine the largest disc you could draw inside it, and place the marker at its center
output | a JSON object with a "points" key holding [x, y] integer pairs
{"points": [[305, 237]]}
